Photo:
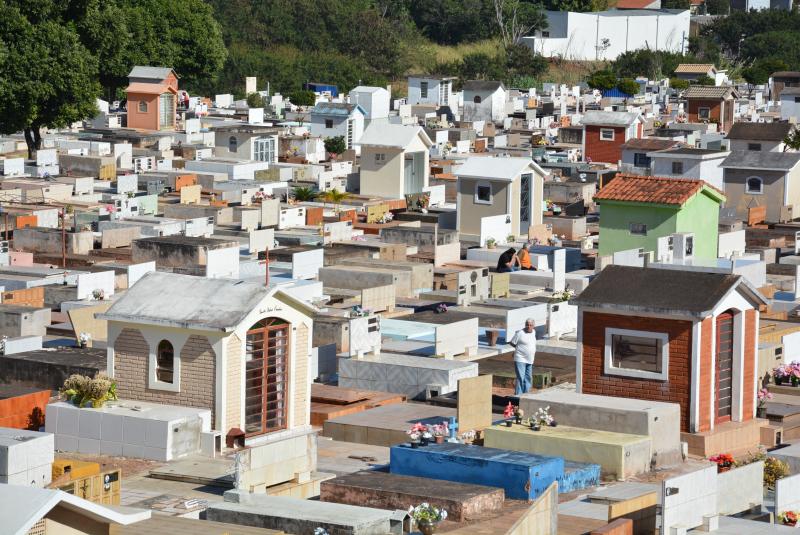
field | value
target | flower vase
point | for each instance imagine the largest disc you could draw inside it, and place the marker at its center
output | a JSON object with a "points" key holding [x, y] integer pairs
{"points": [[535, 427], [426, 527], [518, 420], [721, 469], [778, 380], [761, 412], [508, 423], [415, 444], [440, 440], [424, 441]]}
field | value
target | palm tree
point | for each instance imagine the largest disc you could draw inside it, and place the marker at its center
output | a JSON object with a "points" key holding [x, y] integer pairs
{"points": [[302, 194], [334, 196]]}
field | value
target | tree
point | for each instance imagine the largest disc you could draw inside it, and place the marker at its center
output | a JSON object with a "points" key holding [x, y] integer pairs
{"points": [[517, 18], [334, 197], [628, 86], [678, 84], [718, 7], [704, 80], [255, 100], [759, 72], [302, 98], [675, 4], [792, 140], [49, 78], [335, 145], [602, 80], [303, 194]]}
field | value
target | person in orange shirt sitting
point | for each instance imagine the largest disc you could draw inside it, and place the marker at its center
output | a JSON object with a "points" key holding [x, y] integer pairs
{"points": [[525, 258]]}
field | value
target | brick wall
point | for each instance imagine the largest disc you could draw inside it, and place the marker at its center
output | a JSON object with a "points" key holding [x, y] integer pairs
{"points": [[694, 104], [233, 403], [603, 151], [706, 348], [300, 379], [749, 374], [198, 365], [675, 390]]}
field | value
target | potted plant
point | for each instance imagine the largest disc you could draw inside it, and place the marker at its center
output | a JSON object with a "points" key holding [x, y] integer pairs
{"points": [[84, 391], [508, 413], [779, 374], [417, 434], [427, 517], [774, 469], [440, 431], [84, 338], [441, 308], [490, 243], [788, 518], [511, 239], [724, 461], [763, 396]]}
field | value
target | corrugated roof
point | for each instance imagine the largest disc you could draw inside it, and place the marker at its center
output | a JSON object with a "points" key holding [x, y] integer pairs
{"points": [[335, 108], [149, 89], [756, 159], [775, 131], [392, 135], [650, 143], [657, 290], [153, 73], [654, 190], [709, 91], [609, 118], [694, 68]]}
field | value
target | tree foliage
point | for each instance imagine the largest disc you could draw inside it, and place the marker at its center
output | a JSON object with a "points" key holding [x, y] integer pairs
{"points": [[302, 97], [628, 86], [602, 80], [678, 83], [651, 63], [335, 145]]}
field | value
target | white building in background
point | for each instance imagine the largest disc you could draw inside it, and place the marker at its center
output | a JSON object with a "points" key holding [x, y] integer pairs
{"points": [[375, 101], [431, 90], [604, 35]]}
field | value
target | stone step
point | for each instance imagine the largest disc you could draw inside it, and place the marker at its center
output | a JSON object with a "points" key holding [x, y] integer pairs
{"points": [[383, 490]]}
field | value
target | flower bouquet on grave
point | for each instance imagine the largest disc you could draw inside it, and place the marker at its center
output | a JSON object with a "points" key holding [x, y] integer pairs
{"points": [[542, 418], [763, 396], [724, 461], [789, 518], [416, 434], [794, 373], [440, 432], [509, 412], [426, 517], [780, 374]]}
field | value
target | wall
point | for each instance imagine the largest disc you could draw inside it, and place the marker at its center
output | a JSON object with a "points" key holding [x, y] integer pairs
{"points": [[694, 499], [541, 518], [701, 216], [615, 231], [675, 390], [146, 120], [787, 494], [707, 169], [693, 106], [599, 150], [100, 280], [234, 377], [740, 489], [470, 213], [18, 411], [197, 371], [772, 196], [457, 338]]}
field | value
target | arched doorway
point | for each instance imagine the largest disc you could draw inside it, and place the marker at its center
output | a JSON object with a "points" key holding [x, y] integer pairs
{"points": [[723, 405], [266, 376]]}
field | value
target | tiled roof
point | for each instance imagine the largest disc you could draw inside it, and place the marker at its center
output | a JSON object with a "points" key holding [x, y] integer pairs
{"points": [[654, 190], [635, 4], [775, 131], [694, 68], [153, 73], [708, 91], [650, 143], [149, 89]]}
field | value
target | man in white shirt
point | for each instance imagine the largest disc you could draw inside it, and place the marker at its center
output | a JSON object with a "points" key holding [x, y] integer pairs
{"points": [[524, 344]]}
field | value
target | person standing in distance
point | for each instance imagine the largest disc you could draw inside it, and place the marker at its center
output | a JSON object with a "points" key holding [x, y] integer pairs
{"points": [[524, 344]]}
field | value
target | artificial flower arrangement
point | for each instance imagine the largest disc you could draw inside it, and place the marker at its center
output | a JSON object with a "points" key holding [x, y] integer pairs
{"points": [[441, 308], [440, 431], [559, 297], [509, 412], [763, 396], [426, 516], [788, 518], [725, 461], [785, 372], [542, 418], [468, 436]]}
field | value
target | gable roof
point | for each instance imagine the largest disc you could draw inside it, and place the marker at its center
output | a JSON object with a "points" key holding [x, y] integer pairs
{"points": [[656, 190], [756, 159], [188, 302], [609, 118], [650, 144], [650, 289], [710, 91], [25, 506], [152, 73], [695, 68], [149, 89], [392, 135], [498, 168], [480, 85], [774, 131], [367, 89]]}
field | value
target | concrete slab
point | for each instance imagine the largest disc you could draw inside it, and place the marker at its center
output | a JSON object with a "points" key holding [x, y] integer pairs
{"points": [[392, 491], [620, 455], [300, 516]]}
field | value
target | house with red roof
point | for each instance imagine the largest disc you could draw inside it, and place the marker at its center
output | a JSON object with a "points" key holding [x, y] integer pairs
{"points": [[635, 211], [152, 98]]}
